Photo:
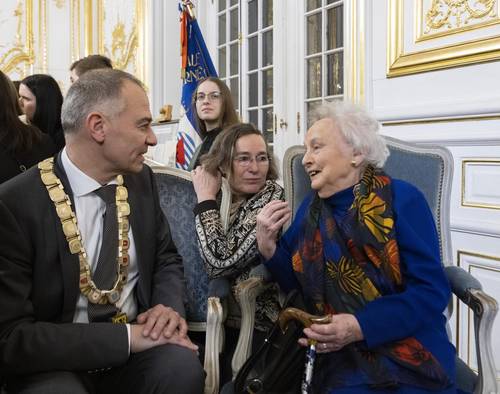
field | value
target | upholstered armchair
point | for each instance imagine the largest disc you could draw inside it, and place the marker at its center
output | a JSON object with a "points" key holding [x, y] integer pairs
{"points": [[204, 310], [430, 169], [246, 293]]}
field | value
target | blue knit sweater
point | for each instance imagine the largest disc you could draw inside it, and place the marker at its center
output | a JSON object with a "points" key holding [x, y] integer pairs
{"points": [[418, 310]]}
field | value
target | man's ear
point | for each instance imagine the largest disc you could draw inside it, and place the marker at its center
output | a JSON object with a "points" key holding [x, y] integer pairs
{"points": [[96, 125]]}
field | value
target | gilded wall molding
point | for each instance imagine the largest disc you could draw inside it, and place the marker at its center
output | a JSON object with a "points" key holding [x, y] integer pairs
{"points": [[75, 28], [470, 204], [446, 17], [21, 54], [123, 47], [42, 35], [89, 27], [356, 87], [126, 48], [445, 119], [401, 63]]}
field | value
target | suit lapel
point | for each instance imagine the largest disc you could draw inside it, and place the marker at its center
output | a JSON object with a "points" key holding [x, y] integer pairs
{"points": [[69, 262], [137, 220]]}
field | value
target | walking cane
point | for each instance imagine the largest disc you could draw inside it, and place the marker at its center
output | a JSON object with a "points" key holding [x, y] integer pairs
{"points": [[307, 320]]}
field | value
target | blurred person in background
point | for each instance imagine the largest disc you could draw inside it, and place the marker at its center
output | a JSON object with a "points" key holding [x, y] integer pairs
{"points": [[21, 145], [91, 62], [41, 100]]}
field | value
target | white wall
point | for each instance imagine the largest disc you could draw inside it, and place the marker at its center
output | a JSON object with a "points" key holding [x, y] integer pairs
{"points": [[458, 108]]}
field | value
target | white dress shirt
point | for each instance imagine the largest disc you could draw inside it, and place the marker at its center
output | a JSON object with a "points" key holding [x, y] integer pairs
{"points": [[89, 209]]}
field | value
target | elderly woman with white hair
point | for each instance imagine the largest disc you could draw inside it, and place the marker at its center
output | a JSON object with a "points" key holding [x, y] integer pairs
{"points": [[363, 248]]}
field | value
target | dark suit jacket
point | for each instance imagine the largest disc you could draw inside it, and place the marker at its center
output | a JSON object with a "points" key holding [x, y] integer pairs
{"points": [[39, 279], [10, 162]]}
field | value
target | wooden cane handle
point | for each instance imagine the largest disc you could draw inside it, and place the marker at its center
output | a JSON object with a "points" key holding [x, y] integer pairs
{"points": [[305, 318]]}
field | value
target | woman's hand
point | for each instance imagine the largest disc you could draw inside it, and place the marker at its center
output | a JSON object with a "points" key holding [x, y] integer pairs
{"points": [[269, 222], [205, 184], [341, 331]]}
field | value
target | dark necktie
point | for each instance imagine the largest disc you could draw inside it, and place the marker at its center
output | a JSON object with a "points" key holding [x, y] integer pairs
{"points": [[105, 273]]}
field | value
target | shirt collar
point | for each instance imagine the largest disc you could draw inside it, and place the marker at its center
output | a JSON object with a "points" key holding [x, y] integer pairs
{"points": [[81, 184]]}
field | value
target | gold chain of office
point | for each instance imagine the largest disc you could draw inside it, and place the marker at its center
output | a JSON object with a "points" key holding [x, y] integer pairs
{"points": [[70, 229]]}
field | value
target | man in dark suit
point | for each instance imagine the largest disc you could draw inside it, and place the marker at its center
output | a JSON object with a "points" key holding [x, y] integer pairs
{"points": [[65, 275]]}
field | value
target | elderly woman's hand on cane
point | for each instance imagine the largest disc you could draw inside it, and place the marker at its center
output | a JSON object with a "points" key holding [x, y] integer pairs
{"points": [[342, 330]]}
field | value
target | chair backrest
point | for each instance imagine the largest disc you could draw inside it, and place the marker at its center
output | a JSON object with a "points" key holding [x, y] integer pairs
{"points": [[177, 200], [429, 168]]}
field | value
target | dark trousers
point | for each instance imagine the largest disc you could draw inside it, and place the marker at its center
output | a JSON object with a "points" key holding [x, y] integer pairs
{"points": [[163, 369]]}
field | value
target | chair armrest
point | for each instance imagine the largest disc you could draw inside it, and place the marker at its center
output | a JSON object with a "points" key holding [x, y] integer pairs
{"points": [[461, 282], [261, 271], [246, 294], [219, 288], [469, 290]]}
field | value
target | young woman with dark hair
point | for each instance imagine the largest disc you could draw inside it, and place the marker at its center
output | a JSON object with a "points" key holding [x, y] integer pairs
{"points": [[41, 100], [21, 145], [213, 111]]}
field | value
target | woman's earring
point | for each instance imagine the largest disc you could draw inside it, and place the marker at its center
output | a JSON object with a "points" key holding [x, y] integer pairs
{"points": [[353, 163]]}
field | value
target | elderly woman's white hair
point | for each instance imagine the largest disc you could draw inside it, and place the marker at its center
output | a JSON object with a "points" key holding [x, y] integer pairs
{"points": [[359, 127]]}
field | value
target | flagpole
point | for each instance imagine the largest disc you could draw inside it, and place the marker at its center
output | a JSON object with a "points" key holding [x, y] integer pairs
{"points": [[189, 6]]}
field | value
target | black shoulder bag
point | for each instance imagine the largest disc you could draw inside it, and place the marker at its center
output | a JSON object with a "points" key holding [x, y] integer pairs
{"points": [[278, 365]]}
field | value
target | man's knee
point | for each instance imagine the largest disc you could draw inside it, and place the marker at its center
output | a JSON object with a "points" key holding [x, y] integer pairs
{"points": [[60, 382], [172, 369], [186, 373]]}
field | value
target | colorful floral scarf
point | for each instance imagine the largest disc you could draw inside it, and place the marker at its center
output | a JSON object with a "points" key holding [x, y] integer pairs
{"points": [[343, 267]]}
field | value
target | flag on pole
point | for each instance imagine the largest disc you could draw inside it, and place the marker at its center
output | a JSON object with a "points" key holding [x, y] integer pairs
{"points": [[196, 65]]}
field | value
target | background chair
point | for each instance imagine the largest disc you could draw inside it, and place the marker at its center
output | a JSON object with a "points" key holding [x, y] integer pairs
{"points": [[204, 311], [430, 169]]}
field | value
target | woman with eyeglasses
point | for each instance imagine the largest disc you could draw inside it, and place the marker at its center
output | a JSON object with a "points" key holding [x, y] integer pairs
{"points": [[213, 110], [240, 154]]}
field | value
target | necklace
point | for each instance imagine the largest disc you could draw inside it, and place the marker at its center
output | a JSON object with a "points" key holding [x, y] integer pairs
{"points": [[69, 225]]}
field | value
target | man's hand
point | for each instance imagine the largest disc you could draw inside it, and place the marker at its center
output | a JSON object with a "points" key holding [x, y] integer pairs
{"points": [[162, 321], [342, 330], [139, 342]]}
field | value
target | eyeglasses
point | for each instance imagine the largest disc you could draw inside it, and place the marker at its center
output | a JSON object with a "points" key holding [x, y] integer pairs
{"points": [[212, 96], [245, 160]]}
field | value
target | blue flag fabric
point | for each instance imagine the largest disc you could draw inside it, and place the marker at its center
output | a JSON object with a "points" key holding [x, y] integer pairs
{"points": [[196, 65]]}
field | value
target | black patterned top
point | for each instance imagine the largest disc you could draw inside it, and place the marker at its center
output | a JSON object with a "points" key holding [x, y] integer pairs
{"points": [[233, 253]]}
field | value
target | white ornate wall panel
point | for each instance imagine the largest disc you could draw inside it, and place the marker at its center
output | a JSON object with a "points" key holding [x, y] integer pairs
{"points": [[433, 71], [55, 49], [481, 178], [482, 260], [477, 144], [164, 66], [121, 34], [468, 88], [434, 34], [46, 36], [476, 197], [17, 53]]}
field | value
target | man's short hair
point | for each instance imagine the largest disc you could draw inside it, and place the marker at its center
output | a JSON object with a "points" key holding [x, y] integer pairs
{"points": [[91, 62], [97, 90]]}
